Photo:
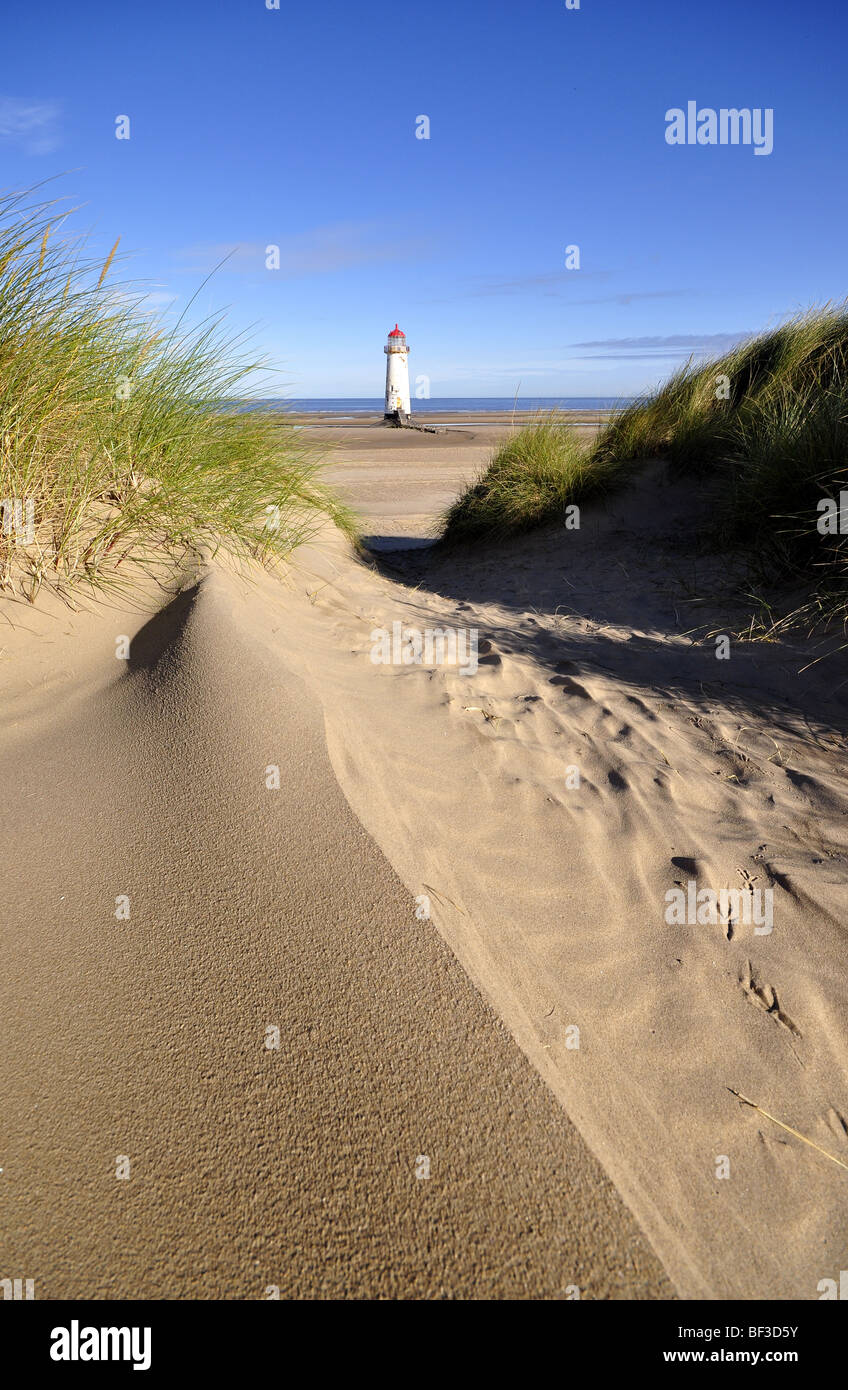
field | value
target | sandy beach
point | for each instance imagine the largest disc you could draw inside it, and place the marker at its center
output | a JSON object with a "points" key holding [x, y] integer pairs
{"points": [[321, 1090], [393, 1141], [401, 481]]}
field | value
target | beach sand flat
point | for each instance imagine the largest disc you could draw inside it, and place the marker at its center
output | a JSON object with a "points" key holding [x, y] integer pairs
{"points": [[406, 477]]}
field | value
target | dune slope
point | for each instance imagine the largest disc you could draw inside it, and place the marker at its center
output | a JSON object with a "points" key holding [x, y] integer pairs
{"points": [[254, 907], [251, 1168], [727, 774]]}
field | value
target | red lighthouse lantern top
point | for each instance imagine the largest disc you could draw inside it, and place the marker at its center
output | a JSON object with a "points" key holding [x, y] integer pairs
{"points": [[396, 341]]}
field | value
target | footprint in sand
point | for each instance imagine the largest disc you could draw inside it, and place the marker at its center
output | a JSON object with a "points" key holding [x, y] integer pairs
{"points": [[764, 996], [686, 863], [570, 687], [616, 781], [642, 708], [487, 654]]}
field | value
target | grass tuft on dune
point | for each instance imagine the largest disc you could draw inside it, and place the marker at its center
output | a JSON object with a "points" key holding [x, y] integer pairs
{"points": [[118, 440], [531, 479], [764, 428]]}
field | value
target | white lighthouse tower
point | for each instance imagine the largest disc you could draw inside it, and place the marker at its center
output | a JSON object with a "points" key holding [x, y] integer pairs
{"points": [[397, 375]]}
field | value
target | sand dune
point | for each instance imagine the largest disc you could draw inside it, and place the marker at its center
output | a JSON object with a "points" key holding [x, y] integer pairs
{"points": [[252, 1169], [295, 908], [692, 769]]}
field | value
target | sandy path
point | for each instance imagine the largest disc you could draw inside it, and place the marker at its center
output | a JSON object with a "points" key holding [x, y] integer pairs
{"points": [[725, 775], [249, 907]]}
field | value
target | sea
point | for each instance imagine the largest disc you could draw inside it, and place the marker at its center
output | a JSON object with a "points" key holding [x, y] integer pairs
{"points": [[348, 406]]}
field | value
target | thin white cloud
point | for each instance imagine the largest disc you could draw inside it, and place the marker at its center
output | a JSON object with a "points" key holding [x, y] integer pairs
{"points": [[546, 283], [318, 252], [691, 341], [158, 299], [460, 371], [551, 284], [29, 124], [631, 297], [672, 345]]}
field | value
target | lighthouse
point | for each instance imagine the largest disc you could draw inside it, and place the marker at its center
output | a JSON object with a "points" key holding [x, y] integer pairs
{"points": [[397, 375]]}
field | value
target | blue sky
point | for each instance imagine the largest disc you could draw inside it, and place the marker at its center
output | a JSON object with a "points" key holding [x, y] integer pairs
{"points": [[295, 127]]}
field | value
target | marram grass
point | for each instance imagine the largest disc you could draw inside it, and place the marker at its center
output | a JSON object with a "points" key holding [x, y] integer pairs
{"points": [[533, 476], [764, 429], [116, 434]]}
